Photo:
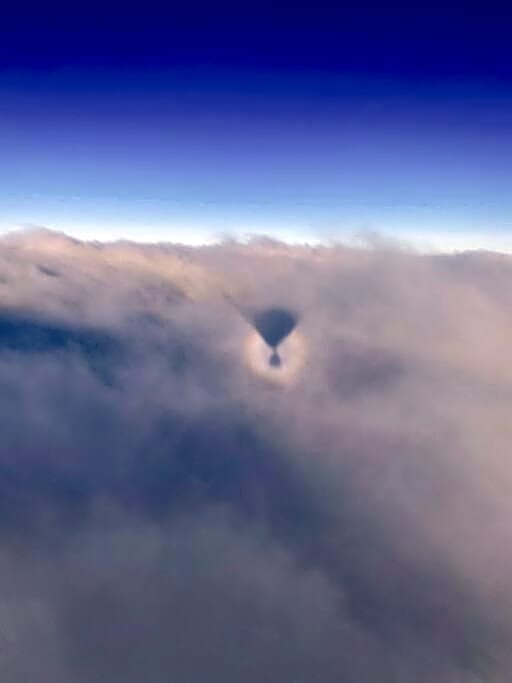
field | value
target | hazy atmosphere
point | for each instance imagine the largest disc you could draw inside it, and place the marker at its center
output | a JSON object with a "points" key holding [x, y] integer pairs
{"points": [[170, 514]]}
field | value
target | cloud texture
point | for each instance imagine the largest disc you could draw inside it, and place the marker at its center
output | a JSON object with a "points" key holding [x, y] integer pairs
{"points": [[168, 515]]}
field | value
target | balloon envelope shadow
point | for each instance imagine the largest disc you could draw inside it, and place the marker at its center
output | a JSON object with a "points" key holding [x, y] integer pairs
{"points": [[274, 325]]}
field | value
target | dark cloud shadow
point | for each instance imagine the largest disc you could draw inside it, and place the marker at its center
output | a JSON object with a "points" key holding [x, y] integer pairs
{"points": [[29, 335]]}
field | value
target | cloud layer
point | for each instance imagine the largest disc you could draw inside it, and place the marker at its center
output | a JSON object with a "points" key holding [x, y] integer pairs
{"points": [[167, 515]]}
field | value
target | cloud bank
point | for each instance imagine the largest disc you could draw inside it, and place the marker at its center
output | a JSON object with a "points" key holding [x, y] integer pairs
{"points": [[167, 515]]}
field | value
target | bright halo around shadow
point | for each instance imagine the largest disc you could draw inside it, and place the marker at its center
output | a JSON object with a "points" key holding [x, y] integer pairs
{"points": [[279, 366]]}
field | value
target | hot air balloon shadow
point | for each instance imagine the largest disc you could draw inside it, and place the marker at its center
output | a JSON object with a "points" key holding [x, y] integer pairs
{"points": [[274, 325]]}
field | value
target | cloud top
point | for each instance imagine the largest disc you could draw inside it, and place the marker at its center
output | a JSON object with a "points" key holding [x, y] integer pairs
{"points": [[167, 514]]}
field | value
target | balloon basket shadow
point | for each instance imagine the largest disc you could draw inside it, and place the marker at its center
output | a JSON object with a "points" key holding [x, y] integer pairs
{"points": [[275, 360], [281, 367]]}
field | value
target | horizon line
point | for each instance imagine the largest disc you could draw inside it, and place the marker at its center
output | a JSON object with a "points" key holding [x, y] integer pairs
{"points": [[419, 242]]}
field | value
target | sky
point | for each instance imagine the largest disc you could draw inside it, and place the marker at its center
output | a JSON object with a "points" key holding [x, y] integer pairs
{"points": [[314, 125]]}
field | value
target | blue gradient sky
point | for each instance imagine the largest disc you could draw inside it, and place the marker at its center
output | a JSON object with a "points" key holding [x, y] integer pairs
{"points": [[303, 131]]}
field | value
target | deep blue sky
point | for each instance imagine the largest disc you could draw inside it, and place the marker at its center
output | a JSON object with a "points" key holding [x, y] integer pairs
{"points": [[299, 122]]}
